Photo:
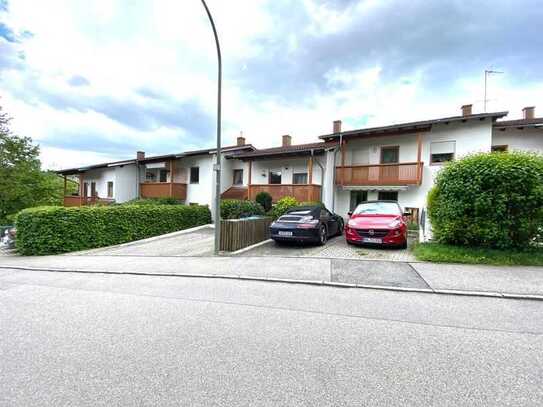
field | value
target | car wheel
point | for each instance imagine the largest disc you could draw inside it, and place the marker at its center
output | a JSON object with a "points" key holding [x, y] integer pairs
{"points": [[340, 227], [323, 235]]}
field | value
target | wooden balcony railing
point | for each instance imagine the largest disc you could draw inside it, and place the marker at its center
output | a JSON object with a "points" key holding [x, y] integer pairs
{"points": [[302, 192], [380, 174], [76, 200], [163, 190]]}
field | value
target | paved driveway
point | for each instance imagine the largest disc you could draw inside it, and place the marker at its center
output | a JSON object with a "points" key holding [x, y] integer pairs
{"points": [[197, 242], [335, 248]]}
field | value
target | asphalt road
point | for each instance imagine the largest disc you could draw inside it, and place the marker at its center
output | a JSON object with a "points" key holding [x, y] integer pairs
{"points": [[111, 340]]}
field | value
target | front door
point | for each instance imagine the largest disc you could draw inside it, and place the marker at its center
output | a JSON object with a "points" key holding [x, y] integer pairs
{"points": [[389, 156], [357, 197]]}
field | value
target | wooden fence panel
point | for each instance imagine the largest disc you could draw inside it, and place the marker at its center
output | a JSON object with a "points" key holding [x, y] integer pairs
{"points": [[239, 233]]}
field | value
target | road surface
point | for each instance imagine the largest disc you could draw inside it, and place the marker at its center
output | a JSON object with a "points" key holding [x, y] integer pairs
{"points": [[119, 340]]}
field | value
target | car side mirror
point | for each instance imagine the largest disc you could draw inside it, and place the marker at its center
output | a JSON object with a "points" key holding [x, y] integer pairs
{"points": [[350, 213], [407, 214]]}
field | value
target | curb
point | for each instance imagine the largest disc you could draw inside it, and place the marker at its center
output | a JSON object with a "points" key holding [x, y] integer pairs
{"points": [[483, 294]]}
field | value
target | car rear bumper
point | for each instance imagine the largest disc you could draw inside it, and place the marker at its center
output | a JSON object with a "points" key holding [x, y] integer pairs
{"points": [[301, 235]]}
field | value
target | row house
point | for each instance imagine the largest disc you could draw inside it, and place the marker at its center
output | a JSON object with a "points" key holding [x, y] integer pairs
{"points": [[394, 162]]}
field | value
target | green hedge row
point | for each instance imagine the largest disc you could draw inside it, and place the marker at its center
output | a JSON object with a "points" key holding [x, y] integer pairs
{"points": [[235, 209], [52, 230]]}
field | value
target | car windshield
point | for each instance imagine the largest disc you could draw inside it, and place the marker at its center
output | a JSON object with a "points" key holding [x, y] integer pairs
{"points": [[377, 208]]}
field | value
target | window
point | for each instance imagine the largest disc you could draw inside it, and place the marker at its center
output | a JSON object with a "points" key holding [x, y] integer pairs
{"points": [[93, 189], [150, 176], [357, 197], [85, 189], [275, 177], [387, 196], [299, 178], [390, 155], [110, 189], [194, 175], [238, 177], [500, 149], [442, 152], [163, 176]]}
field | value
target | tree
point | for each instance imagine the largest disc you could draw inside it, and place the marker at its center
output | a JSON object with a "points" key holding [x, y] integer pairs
{"points": [[22, 183], [489, 200]]}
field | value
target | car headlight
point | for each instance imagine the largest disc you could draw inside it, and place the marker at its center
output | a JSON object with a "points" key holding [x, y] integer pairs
{"points": [[395, 223]]}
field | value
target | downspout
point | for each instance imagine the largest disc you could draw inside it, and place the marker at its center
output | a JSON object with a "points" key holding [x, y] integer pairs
{"points": [[323, 173]]}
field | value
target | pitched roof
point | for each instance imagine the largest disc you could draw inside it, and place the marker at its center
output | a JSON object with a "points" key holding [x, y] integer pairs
{"points": [[77, 170], [520, 123], [235, 150], [227, 149], [293, 150], [424, 125]]}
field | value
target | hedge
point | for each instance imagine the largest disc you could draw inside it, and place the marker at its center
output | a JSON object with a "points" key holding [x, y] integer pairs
{"points": [[52, 230], [283, 205], [490, 200], [235, 209], [265, 199]]}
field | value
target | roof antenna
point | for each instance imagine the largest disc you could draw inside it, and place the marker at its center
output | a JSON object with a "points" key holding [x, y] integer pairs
{"points": [[487, 73]]}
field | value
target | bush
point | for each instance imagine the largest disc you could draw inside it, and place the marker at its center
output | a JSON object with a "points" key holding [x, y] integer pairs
{"points": [[488, 200], [236, 209], [51, 230], [154, 201], [283, 205], [265, 200], [312, 203]]}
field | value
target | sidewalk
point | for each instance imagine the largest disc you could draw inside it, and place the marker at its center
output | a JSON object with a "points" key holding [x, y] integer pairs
{"points": [[508, 282]]}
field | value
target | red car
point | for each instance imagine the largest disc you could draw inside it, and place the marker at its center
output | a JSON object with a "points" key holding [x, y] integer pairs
{"points": [[377, 222]]}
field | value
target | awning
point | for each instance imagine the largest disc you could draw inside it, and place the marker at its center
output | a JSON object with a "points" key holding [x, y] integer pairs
{"points": [[156, 165]]}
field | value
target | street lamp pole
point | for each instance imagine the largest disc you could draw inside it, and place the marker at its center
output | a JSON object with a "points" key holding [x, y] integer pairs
{"points": [[217, 166]]}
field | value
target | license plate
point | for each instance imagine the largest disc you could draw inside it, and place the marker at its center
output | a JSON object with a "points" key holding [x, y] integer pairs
{"points": [[282, 233], [372, 240]]}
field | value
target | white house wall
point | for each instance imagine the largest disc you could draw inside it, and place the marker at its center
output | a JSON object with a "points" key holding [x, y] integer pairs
{"points": [[101, 177], [125, 186], [469, 137], [530, 140], [288, 167]]}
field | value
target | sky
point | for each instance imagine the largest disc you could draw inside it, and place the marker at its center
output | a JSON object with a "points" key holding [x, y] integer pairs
{"points": [[96, 81]]}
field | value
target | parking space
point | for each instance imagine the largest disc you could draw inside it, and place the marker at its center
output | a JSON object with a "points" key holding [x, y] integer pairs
{"points": [[335, 248]]}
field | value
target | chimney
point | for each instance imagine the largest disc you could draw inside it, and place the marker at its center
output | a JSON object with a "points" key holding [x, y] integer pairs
{"points": [[140, 155], [528, 112], [287, 140], [337, 126], [466, 110], [241, 141]]}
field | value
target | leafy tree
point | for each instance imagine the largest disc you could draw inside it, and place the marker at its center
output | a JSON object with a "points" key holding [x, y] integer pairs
{"points": [[22, 183], [489, 200]]}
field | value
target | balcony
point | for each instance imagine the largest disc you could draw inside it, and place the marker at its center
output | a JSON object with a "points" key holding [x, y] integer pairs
{"points": [[163, 190], [380, 174], [302, 192], [76, 200]]}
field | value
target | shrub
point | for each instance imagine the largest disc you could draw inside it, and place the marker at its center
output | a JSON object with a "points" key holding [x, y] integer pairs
{"points": [[283, 205], [51, 230], [312, 203], [235, 209], [154, 201], [265, 200], [488, 200]]}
